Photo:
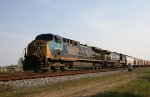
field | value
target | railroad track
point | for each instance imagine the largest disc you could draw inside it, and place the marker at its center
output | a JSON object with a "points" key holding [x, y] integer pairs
{"points": [[30, 75]]}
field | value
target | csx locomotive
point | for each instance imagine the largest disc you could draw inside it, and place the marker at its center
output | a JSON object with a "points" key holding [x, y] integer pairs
{"points": [[52, 52]]}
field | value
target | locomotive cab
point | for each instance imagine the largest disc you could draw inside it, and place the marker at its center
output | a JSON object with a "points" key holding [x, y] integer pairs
{"points": [[54, 43]]}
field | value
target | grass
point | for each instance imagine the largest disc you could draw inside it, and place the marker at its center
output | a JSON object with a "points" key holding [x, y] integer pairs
{"points": [[136, 88], [139, 87], [116, 94]]}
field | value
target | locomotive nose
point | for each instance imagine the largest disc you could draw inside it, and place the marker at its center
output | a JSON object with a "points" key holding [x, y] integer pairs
{"points": [[36, 48]]}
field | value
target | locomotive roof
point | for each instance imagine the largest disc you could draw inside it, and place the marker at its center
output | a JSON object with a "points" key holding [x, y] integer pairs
{"points": [[44, 37], [49, 36]]}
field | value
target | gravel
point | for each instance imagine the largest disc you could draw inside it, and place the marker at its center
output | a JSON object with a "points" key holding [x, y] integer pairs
{"points": [[48, 80]]}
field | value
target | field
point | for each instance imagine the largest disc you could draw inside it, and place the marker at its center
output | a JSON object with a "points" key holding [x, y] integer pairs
{"points": [[139, 87], [123, 84]]}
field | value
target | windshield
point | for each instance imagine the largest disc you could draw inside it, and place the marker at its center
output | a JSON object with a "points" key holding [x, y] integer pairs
{"points": [[48, 37], [58, 39]]}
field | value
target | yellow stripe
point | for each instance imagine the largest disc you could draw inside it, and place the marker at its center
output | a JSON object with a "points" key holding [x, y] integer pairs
{"points": [[49, 55]]}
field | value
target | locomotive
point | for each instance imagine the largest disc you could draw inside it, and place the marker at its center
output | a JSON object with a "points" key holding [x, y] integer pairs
{"points": [[53, 52]]}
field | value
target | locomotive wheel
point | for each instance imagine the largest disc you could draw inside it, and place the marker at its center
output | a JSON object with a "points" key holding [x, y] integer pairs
{"points": [[95, 67], [70, 66], [53, 68], [44, 70], [62, 68], [99, 67], [111, 65], [37, 68]]}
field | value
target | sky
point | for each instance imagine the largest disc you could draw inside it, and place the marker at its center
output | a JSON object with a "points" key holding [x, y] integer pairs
{"points": [[117, 25]]}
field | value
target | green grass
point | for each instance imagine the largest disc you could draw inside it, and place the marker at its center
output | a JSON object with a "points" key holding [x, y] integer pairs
{"points": [[116, 94], [139, 87], [136, 88]]}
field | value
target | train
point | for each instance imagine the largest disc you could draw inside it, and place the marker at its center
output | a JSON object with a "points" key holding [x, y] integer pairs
{"points": [[53, 52]]}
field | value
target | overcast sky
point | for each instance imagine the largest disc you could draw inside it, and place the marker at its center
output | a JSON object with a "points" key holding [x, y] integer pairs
{"points": [[117, 25]]}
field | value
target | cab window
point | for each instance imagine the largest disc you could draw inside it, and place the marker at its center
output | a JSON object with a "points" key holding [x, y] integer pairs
{"points": [[57, 40]]}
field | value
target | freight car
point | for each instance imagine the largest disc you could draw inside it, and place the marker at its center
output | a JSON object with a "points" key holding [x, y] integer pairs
{"points": [[52, 52]]}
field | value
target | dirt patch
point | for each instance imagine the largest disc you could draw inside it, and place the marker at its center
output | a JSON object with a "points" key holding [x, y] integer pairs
{"points": [[91, 88]]}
